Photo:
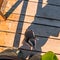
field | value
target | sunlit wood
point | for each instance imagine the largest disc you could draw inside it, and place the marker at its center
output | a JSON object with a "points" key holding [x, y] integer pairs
{"points": [[44, 21]]}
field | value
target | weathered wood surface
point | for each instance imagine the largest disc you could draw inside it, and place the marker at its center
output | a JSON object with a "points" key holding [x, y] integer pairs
{"points": [[2, 17], [48, 11], [30, 19], [53, 2], [24, 16], [44, 44], [40, 30], [6, 38]]}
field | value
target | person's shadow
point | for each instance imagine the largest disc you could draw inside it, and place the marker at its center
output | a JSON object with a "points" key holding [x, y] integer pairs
{"points": [[41, 25]]}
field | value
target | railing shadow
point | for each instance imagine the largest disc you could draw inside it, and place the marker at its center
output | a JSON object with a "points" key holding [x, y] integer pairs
{"points": [[17, 36], [23, 10], [12, 8]]}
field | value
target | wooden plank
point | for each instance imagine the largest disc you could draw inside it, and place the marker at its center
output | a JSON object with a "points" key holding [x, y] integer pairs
{"points": [[47, 11], [39, 30], [54, 2], [51, 2], [6, 39], [8, 26], [50, 46], [45, 44], [30, 19]]}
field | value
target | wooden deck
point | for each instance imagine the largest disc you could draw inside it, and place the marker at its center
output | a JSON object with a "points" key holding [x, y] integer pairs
{"points": [[42, 16]]}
